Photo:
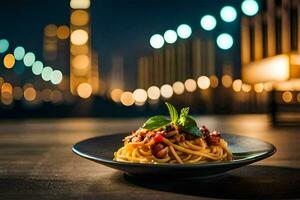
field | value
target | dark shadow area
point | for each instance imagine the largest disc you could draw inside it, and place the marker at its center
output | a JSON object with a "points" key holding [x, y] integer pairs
{"points": [[252, 182]]}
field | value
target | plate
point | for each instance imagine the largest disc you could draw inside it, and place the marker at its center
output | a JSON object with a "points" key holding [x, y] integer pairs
{"points": [[245, 150]]}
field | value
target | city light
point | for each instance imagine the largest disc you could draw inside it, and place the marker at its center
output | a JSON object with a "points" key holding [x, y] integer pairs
{"points": [[84, 90], [224, 41], [4, 44], [227, 81], [79, 37], [9, 61], [268, 86], [184, 31], [203, 82], [19, 53], [56, 77], [63, 32], [157, 41], [30, 94], [246, 87], [80, 65], [37, 67], [29, 59], [298, 97], [140, 95], [80, 17], [127, 98], [46, 73], [214, 81], [153, 92], [178, 87], [18, 93], [250, 7], [190, 85], [259, 87], [287, 96], [228, 14], [50, 30], [115, 94], [77, 50], [80, 4], [166, 91], [237, 85], [170, 36], [208, 22]]}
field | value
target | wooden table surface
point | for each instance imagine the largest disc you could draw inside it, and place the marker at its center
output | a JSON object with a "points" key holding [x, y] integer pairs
{"points": [[36, 162]]}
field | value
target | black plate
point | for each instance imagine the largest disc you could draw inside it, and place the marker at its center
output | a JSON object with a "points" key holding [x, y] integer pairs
{"points": [[246, 150]]}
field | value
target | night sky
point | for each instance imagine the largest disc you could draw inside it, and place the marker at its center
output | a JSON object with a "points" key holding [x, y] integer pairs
{"points": [[119, 27]]}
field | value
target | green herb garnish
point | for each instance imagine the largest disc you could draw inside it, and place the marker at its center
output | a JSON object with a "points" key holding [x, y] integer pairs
{"points": [[184, 121]]}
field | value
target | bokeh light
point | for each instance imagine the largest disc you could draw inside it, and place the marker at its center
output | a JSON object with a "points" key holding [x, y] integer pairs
{"points": [[153, 92], [140, 95], [214, 81], [47, 73], [46, 95], [298, 97], [127, 98], [63, 32], [178, 87], [77, 50], [84, 90], [37, 67], [56, 96], [80, 4], [29, 59], [224, 41], [157, 41], [56, 77], [226, 81], [287, 96], [184, 31], [80, 17], [18, 93], [190, 85], [237, 85], [170, 36], [228, 14], [259, 87], [19, 53], [203, 82], [268, 86], [4, 45], [208, 22], [50, 30], [79, 37], [246, 87], [250, 7], [80, 65], [9, 61], [30, 94], [115, 94], [166, 91]]}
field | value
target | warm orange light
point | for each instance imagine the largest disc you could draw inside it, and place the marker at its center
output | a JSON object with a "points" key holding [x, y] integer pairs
{"points": [[84, 90], [298, 97], [27, 85], [203, 82], [79, 37], [259, 87], [237, 85], [140, 96], [63, 32], [178, 87], [214, 81], [80, 4], [50, 30], [153, 92], [227, 81], [287, 96], [115, 94], [190, 85], [82, 49], [30, 94], [6, 87], [295, 59], [80, 17], [18, 93], [268, 86], [246, 87], [80, 65], [127, 98], [166, 91], [9, 61]]}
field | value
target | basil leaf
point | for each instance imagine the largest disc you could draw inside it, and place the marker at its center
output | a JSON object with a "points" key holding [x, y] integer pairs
{"points": [[173, 112], [156, 122], [189, 125], [183, 114]]}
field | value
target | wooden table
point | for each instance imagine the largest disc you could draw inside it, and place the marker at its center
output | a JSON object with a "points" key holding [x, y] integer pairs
{"points": [[36, 162]]}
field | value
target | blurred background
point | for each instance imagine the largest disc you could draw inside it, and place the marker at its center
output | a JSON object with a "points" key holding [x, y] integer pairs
{"points": [[125, 58]]}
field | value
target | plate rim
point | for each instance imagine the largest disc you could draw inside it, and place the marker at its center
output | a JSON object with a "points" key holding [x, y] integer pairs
{"points": [[247, 160]]}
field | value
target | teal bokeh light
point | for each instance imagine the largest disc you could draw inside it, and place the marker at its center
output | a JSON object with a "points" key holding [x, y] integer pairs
{"points": [[224, 41], [47, 73], [228, 14], [19, 53], [170, 36], [250, 7], [37, 67], [29, 59], [4, 45], [184, 31], [56, 77], [208, 22], [157, 41]]}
